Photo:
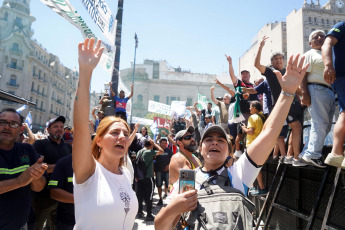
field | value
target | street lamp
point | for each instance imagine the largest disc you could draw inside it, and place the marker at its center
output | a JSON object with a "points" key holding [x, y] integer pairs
{"points": [[135, 55]]}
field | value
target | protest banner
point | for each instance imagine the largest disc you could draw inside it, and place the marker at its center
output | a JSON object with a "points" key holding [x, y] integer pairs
{"points": [[160, 108], [103, 17], [202, 101], [178, 108], [142, 121], [161, 122]]}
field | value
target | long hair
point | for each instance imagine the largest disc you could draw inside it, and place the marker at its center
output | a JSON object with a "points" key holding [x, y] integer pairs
{"points": [[102, 129]]}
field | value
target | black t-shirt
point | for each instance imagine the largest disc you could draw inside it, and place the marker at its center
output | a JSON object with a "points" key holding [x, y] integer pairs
{"points": [[244, 103], [178, 126], [62, 178], [15, 205], [52, 152], [163, 160]]}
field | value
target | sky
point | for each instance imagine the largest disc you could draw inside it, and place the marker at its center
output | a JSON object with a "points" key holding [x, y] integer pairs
{"points": [[192, 34]]}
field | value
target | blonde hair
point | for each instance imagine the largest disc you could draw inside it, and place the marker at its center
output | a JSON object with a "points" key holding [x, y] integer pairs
{"points": [[102, 130]]}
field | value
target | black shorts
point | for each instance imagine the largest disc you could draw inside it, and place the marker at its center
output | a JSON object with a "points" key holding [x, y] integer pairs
{"points": [[295, 113], [284, 131]]}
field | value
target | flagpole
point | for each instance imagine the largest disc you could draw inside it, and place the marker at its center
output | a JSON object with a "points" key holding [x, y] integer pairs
{"points": [[135, 55]]}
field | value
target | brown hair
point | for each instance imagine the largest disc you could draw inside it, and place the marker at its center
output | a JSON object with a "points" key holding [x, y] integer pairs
{"points": [[102, 130]]}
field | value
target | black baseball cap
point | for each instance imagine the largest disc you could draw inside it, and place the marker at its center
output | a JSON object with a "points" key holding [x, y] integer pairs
{"points": [[59, 118]]}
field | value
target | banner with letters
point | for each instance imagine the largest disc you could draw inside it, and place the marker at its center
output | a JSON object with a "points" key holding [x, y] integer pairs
{"points": [[161, 122], [102, 17], [66, 10], [142, 121], [156, 107], [202, 102]]}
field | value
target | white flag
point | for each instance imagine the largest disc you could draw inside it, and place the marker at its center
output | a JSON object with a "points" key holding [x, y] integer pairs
{"points": [[28, 120], [21, 108]]}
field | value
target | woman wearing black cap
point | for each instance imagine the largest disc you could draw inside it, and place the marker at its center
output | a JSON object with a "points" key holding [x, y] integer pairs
{"points": [[215, 149]]}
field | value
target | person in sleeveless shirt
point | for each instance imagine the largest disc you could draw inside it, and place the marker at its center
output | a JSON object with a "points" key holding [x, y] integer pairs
{"points": [[103, 195]]}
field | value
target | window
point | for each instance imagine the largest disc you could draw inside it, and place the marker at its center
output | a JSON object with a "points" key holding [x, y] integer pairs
{"points": [[167, 100], [189, 101], [34, 71], [5, 18], [11, 92], [327, 21], [315, 20], [13, 80], [13, 63], [18, 21], [32, 86], [322, 21], [38, 88], [172, 99], [309, 19], [15, 47], [41, 104], [140, 98], [156, 98]]}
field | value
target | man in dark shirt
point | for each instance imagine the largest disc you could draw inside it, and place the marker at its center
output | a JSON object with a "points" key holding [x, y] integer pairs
{"points": [[333, 55], [61, 189], [162, 169], [145, 187], [52, 148], [21, 171], [295, 116]]}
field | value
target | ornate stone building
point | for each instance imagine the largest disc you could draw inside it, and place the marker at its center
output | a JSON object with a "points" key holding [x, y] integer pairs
{"points": [[28, 70]]}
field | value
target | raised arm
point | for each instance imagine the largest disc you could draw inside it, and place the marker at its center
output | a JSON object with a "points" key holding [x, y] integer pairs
{"points": [[249, 90], [160, 150], [212, 96], [326, 51], [262, 146], [83, 162], [233, 77], [232, 93], [111, 90], [131, 137], [196, 107], [31, 136], [93, 112], [131, 95], [257, 63]]}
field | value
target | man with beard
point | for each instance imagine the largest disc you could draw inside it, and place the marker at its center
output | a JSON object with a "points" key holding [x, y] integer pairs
{"points": [[52, 149], [21, 171], [184, 159]]}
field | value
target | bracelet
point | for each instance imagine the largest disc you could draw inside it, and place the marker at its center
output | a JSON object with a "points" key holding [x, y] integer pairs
{"points": [[288, 94]]}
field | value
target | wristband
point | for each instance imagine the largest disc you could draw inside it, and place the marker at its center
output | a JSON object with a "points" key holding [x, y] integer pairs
{"points": [[288, 94]]}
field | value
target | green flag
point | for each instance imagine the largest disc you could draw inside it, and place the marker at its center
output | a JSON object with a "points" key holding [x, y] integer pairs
{"points": [[202, 102]]}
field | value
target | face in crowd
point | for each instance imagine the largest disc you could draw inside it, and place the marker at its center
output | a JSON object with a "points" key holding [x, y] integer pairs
{"points": [[317, 40], [188, 142], [214, 149], [277, 62], [163, 143], [226, 98], [122, 94], [10, 127], [245, 76], [100, 115], [143, 131], [209, 106], [56, 130]]}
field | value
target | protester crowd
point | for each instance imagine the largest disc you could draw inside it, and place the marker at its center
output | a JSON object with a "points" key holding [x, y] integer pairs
{"points": [[97, 174]]}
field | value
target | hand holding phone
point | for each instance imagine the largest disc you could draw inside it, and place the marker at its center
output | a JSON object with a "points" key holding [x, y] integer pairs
{"points": [[186, 180]]}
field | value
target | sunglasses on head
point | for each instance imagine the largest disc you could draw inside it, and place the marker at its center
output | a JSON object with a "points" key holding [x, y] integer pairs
{"points": [[188, 137]]}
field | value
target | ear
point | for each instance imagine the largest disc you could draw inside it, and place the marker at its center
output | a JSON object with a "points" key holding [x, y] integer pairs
{"points": [[98, 141]]}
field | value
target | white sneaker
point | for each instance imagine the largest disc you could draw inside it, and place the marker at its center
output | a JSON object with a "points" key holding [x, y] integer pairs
{"points": [[288, 160], [298, 163], [238, 153]]}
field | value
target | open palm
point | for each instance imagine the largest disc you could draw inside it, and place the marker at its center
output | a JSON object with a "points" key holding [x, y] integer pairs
{"points": [[88, 55]]}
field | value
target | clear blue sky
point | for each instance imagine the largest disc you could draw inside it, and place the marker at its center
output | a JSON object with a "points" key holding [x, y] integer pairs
{"points": [[192, 34]]}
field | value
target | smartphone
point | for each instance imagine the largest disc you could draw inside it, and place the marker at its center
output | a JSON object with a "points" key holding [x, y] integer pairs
{"points": [[186, 180]]}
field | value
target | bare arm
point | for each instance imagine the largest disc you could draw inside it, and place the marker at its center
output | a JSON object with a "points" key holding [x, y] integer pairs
{"points": [[249, 90], [212, 96], [131, 137], [83, 162], [111, 90], [257, 63], [304, 91], [93, 113], [160, 150], [233, 77], [196, 107], [326, 51], [131, 95], [232, 93], [31, 136], [249, 131], [295, 72], [62, 195]]}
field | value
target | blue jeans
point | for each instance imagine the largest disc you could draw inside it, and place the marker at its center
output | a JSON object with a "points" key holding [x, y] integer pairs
{"points": [[321, 110]]}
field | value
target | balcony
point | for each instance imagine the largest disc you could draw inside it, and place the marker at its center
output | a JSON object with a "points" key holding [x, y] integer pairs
{"points": [[35, 75], [12, 85], [11, 66], [16, 52]]}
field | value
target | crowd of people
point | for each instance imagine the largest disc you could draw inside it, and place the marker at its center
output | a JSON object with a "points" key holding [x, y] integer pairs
{"points": [[85, 177]]}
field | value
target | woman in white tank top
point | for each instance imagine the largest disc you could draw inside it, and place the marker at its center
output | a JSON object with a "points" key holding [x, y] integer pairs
{"points": [[103, 195]]}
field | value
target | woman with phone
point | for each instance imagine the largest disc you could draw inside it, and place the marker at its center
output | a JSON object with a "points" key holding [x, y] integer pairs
{"points": [[215, 149], [103, 195]]}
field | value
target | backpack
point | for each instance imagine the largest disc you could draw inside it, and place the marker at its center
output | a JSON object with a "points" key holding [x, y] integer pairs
{"points": [[263, 117], [140, 168], [220, 206]]}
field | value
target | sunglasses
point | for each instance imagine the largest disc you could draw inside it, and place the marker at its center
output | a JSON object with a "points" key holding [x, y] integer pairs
{"points": [[188, 137]]}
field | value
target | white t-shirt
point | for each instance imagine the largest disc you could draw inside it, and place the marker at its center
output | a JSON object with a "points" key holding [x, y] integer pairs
{"points": [[316, 67], [105, 201], [242, 176]]}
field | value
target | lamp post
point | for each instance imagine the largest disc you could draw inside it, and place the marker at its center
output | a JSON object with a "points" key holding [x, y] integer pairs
{"points": [[135, 55]]}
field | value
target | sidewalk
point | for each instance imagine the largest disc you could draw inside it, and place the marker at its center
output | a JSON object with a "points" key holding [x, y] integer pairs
{"points": [[140, 224]]}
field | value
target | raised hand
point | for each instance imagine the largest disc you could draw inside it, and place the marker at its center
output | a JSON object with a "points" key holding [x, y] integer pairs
{"points": [[329, 74], [228, 58], [88, 55], [212, 88], [132, 85], [294, 74], [110, 83], [217, 81], [164, 133], [263, 41]]}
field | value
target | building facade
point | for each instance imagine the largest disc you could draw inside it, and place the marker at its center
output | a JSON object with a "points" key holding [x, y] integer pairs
{"points": [[28, 70], [157, 81], [292, 36]]}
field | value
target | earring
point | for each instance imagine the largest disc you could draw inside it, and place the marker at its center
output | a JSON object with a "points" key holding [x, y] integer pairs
{"points": [[99, 149]]}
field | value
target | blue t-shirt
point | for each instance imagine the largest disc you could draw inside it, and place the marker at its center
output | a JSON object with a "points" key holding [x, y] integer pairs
{"points": [[62, 178], [120, 104], [15, 205], [338, 31], [264, 88]]}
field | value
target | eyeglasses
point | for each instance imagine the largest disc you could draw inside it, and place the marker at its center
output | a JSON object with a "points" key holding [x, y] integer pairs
{"points": [[11, 124], [188, 137]]}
